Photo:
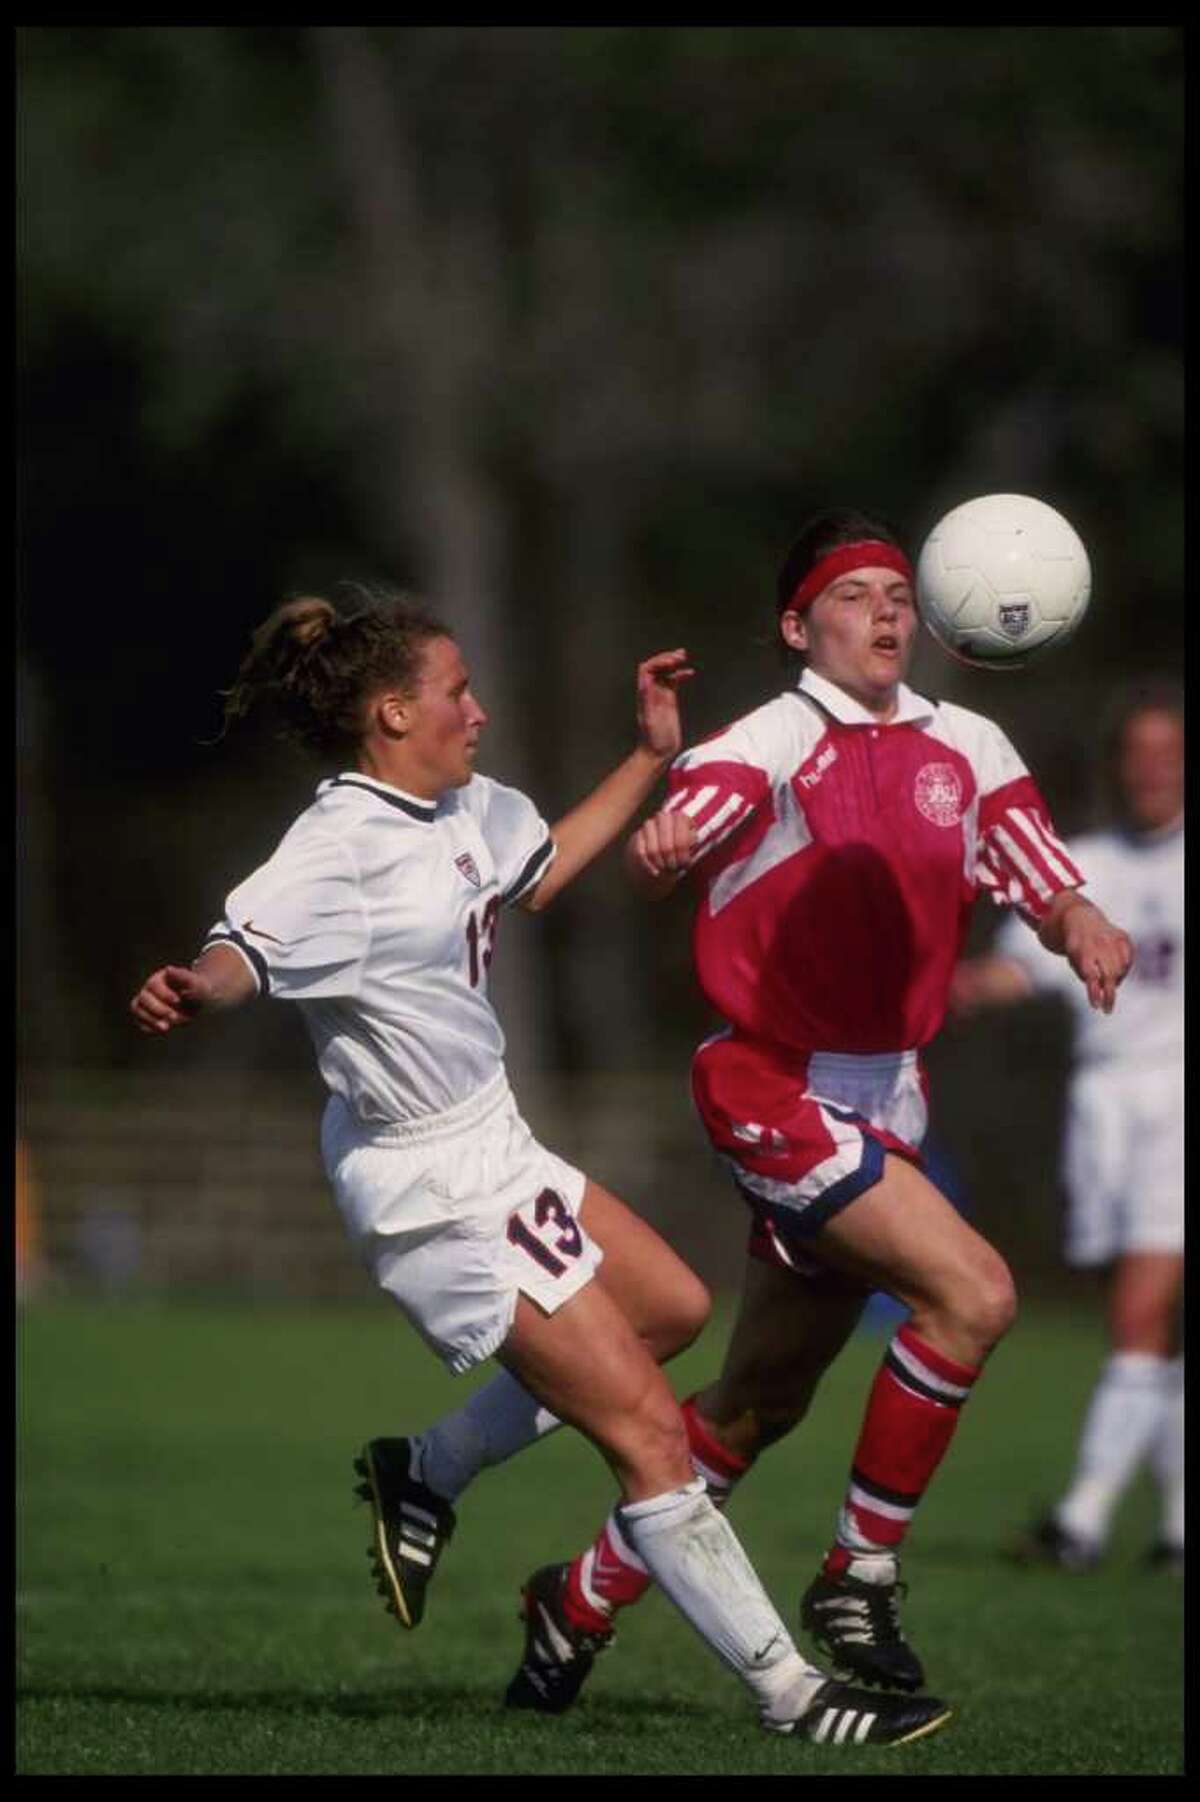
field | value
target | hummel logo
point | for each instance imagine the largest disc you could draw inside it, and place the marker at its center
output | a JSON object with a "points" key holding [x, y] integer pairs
{"points": [[249, 926]]}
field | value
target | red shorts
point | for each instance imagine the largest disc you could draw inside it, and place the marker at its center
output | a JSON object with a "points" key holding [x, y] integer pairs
{"points": [[804, 1133]]}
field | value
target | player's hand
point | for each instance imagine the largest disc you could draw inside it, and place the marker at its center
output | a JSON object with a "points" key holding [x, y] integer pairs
{"points": [[658, 681], [1100, 954], [171, 997], [966, 995], [662, 846], [987, 981]]}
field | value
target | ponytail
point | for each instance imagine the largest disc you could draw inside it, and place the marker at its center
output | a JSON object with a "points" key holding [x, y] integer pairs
{"points": [[315, 668]]}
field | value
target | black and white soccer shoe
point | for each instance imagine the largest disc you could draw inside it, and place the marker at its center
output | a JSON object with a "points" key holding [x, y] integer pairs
{"points": [[1048, 1543], [857, 1625], [412, 1525], [558, 1656], [840, 1716]]}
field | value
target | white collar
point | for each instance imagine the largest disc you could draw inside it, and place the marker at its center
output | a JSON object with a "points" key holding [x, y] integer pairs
{"points": [[849, 712]]}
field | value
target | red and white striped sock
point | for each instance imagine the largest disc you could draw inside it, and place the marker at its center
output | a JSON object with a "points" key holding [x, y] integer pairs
{"points": [[720, 1468], [911, 1415], [610, 1575]]}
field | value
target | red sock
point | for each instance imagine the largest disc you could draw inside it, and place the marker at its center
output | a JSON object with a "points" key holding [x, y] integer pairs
{"points": [[711, 1460], [610, 1575], [911, 1415]]}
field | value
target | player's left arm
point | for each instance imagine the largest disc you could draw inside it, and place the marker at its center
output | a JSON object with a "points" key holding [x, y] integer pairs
{"points": [[1100, 953], [591, 826]]}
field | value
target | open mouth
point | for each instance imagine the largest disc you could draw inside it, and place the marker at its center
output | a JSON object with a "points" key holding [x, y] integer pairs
{"points": [[886, 643]]}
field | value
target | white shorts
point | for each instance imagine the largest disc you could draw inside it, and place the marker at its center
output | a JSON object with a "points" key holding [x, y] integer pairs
{"points": [[1123, 1163], [456, 1214]]}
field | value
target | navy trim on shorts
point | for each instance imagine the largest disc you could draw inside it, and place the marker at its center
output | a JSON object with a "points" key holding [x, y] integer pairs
{"points": [[797, 1228], [841, 1194]]}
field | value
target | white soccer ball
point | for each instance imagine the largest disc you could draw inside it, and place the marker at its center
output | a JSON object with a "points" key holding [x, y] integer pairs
{"points": [[1002, 579]]}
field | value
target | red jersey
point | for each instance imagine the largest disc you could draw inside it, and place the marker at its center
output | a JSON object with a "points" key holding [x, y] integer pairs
{"points": [[839, 859]]}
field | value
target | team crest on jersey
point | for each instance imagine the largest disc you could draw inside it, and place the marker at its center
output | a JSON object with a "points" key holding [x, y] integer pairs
{"points": [[470, 869], [938, 794]]}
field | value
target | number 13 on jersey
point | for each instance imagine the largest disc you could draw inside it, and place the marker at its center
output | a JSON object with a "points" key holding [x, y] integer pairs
{"points": [[481, 940]]}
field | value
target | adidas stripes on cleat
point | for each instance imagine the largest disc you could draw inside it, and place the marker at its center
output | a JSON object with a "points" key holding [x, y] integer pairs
{"points": [[857, 1625], [839, 1716], [411, 1526], [558, 1655]]}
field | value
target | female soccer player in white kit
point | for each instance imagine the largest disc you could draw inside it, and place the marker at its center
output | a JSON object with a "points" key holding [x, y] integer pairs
{"points": [[1122, 1160], [377, 915]]}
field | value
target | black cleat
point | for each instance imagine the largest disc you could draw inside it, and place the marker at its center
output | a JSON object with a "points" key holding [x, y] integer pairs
{"points": [[1046, 1543], [412, 1525], [558, 1656], [840, 1716], [857, 1625], [1164, 1556]]}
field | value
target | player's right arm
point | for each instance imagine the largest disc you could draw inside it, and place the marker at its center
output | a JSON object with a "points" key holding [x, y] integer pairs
{"points": [[219, 979], [715, 791], [659, 852]]}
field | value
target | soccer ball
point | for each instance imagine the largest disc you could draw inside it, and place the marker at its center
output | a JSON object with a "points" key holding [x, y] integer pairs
{"points": [[1001, 579]]}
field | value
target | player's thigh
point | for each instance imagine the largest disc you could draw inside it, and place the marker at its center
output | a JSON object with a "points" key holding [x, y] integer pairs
{"points": [[1145, 1292], [788, 1331], [661, 1296], [586, 1364], [902, 1235]]}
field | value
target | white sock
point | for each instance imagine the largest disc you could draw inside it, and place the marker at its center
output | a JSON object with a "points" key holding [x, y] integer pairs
{"points": [[878, 1566], [1166, 1456], [498, 1420], [869, 1560], [1122, 1420], [694, 1556]]}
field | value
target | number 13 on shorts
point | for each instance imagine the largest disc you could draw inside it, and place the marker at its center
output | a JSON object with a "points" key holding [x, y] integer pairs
{"points": [[545, 1228]]}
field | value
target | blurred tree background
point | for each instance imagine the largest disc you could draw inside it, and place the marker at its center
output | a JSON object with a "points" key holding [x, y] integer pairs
{"points": [[568, 328]]}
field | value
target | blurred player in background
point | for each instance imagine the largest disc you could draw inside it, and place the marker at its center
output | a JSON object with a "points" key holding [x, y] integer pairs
{"points": [[377, 915], [1123, 1144], [838, 836]]}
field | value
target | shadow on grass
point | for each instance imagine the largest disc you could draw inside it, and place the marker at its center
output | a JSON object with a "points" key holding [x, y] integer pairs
{"points": [[431, 1702]]}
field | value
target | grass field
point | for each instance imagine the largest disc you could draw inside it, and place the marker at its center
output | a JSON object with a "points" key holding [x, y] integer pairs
{"points": [[193, 1590]]}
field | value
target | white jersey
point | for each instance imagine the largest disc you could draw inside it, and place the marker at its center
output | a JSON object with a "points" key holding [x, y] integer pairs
{"points": [[1138, 883], [377, 913]]}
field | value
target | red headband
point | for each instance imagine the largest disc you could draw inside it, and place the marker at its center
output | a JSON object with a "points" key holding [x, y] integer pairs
{"points": [[866, 553]]}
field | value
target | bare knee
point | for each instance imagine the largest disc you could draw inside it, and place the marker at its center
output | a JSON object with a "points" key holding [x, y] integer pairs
{"points": [[681, 1319], [971, 1317], [1144, 1304]]}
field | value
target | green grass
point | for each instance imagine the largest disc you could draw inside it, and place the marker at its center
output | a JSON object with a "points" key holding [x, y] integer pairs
{"points": [[193, 1590]]}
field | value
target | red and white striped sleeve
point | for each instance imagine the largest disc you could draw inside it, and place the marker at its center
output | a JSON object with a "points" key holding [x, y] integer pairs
{"points": [[718, 798], [1021, 861], [722, 783]]}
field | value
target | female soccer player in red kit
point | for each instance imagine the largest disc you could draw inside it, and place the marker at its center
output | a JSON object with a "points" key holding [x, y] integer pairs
{"points": [[837, 838]]}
